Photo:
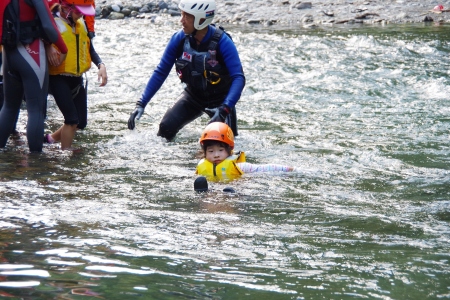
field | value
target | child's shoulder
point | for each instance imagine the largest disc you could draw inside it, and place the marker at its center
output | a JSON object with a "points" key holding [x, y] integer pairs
{"points": [[238, 156]]}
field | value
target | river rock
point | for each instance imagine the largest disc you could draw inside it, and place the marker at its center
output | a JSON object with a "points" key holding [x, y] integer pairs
{"points": [[126, 12], [303, 5], [115, 8], [145, 9], [116, 16], [173, 12], [105, 11], [163, 5], [253, 21]]}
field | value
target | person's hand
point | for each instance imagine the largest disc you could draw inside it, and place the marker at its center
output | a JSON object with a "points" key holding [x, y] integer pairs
{"points": [[54, 56], [102, 75], [136, 114], [218, 114], [62, 57]]}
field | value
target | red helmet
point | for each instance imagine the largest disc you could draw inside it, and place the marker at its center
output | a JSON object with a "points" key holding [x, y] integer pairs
{"points": [[218, 131]]}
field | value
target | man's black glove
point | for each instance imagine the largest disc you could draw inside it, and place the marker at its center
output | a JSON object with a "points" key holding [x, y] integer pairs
{"points": [[218, 114], [91, 35], [136, 114]]}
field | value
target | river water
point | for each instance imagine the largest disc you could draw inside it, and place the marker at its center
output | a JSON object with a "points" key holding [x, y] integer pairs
{"points": [[361, 112]]}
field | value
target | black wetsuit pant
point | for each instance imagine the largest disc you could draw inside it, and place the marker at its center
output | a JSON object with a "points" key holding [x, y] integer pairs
{"points": [[70, 96], [1, 83], [185, 110], [26, 74], [1, 90], [2, 98]]}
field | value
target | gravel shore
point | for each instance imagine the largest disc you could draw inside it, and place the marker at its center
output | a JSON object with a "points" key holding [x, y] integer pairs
{"points": [[288, 12]]}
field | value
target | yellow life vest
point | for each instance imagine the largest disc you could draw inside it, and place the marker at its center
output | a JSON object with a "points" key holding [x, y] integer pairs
{"points": [[225, 171], [78, 59]]}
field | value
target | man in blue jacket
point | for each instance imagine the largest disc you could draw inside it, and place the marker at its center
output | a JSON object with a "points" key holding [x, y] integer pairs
{"points": [[207, 61]]}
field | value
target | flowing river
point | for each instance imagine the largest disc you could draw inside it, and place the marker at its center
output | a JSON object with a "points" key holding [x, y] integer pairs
{"points": [[362, 112]]}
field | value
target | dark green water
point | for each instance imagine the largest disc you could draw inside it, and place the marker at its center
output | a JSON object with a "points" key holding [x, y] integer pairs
{"points": [[362, 112]]}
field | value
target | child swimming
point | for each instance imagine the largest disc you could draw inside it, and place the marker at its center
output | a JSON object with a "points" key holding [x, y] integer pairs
{"points": [[220, 164]]}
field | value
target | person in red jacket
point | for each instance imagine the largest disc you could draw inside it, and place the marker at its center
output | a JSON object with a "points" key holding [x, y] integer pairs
{"points": [[90, 23], [25, 66]]}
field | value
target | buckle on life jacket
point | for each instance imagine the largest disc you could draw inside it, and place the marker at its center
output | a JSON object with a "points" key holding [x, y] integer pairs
{"points": [[209, 77]]}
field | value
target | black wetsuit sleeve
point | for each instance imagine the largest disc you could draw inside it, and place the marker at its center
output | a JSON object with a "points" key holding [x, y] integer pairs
{"points": [[94, 55]]}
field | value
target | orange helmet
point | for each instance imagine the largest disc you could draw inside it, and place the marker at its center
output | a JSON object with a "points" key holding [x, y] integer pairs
{"points": [[218, 131]]}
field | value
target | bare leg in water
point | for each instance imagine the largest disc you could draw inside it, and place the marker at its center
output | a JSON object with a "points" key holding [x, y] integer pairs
{"points": [[65, 134]]}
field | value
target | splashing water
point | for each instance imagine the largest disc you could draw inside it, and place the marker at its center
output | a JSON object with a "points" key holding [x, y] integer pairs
{"points": [[362, 112]]}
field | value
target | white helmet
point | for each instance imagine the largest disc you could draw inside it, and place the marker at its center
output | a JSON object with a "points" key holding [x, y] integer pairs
{"points": [[200, 9]]}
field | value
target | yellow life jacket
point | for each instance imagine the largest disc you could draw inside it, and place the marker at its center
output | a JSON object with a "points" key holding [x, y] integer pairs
{"points": [[78, 59], [225, 171]]}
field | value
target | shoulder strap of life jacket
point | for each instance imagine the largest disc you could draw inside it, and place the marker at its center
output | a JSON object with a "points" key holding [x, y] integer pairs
{"points": [[215, 38]]}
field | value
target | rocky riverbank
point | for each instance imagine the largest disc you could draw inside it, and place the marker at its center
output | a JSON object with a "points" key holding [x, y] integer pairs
{"points": [[290, 12]]}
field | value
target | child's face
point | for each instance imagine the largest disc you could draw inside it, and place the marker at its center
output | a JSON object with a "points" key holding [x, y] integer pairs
{"points": [[216, 154]]}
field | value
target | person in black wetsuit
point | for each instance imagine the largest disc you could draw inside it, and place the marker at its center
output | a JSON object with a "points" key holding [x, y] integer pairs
{"points": [[207, 60], [1, 79], [25, 68]]}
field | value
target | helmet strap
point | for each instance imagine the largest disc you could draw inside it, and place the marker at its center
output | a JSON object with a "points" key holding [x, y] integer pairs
{"points": [[70, 18], [68, 12]]}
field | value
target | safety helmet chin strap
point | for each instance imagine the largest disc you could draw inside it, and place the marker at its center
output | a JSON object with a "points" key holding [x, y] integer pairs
{"points": [[70, 19], [68, 14]]}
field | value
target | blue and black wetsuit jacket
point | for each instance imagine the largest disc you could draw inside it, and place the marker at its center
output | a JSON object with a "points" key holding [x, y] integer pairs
{"points": [[212, 71]]}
